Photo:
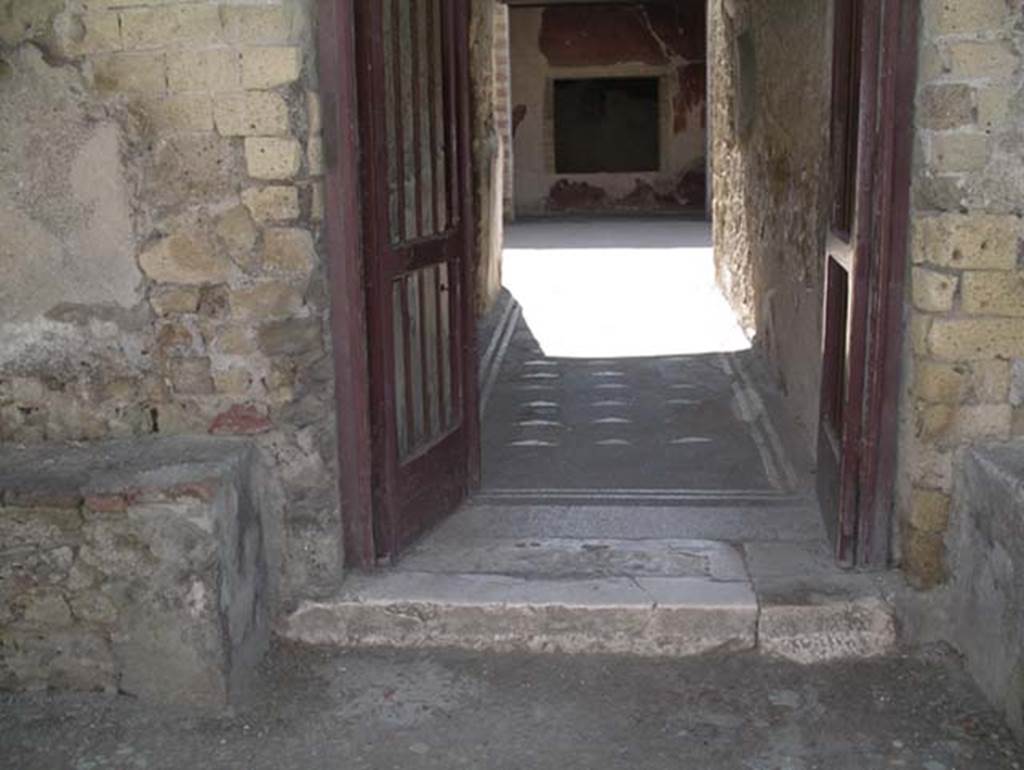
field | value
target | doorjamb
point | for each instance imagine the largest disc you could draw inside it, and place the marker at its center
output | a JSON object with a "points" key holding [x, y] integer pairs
{"points": [[888, 259], [346, 274], [885, 139]]}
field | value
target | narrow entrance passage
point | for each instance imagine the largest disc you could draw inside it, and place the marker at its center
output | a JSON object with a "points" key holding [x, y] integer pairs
{"points": [[636, 498], [618, 372]]}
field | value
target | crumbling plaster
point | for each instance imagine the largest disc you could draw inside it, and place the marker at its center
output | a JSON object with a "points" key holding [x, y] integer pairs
{"points": [[160, 208], [770, 180]]}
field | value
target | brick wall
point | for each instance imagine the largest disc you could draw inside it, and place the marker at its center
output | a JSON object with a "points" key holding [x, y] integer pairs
{"points": [[212, 112], [965, 359]]}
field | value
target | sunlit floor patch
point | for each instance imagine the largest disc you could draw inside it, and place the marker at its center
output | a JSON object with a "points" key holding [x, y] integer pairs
{"points": [[612, 289]]}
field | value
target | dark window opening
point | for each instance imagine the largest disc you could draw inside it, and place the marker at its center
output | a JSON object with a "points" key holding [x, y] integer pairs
{"points": [[606, 125]]}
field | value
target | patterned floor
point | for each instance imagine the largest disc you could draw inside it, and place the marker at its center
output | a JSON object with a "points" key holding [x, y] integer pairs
{"points": [[628, 428], [669, 428]]}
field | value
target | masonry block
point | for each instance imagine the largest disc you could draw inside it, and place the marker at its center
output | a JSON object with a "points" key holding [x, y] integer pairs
{"points": [[265, 300], [156, 578], [315, 156], [270, 66], [929, 510], [257, 24], [968, 241], [942, 383], [192, 25], [924, 558], [976, 339], [187, 257], [131, 72], [994, 293], [946, 106], [272, 158], [251, 113], [288, 250], [273, 203], [994, 106], [969, 59], [168, 300], [933, 291], [179, 112], [214, 70], [960, 152], [944, 17], [313, 112]]}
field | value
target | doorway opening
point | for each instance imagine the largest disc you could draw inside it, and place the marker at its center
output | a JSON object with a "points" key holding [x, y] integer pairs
{"points": [[613, 366], [631, 353]]}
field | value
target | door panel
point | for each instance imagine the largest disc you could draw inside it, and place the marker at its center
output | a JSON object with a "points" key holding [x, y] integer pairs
{"points": [[417, 258], [847, 263], [874, 78]]}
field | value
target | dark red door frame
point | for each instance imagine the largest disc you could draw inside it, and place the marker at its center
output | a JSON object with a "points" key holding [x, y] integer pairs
{"points": [[343, 241], [885, 139], [894, 145], [346, 275]]}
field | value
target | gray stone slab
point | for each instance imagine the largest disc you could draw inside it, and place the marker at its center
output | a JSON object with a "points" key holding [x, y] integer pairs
{"points": [[796, 521], [789, 559], [670, 616], [577, 557], [821, 618], [986, 546]]}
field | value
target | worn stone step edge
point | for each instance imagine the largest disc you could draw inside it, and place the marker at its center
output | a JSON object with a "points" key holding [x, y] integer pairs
{"points": [[642, 616], [650, 617]]}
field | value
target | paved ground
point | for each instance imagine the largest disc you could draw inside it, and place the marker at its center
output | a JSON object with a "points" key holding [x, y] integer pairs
{"points": [[623, 375], [443, 709]]}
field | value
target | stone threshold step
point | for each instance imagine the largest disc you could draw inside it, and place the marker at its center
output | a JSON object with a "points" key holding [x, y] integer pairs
{"points": [[644, 616]]}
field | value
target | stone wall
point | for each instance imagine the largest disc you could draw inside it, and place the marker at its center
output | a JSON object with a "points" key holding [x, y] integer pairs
{"points": [[964, 364], [488, 150], [770, 140], [987, 588], [503, 104], [160, 210], [144, 566], [658, 40]]}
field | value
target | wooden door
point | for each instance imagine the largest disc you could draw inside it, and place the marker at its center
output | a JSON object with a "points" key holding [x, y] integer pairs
{"points": [[873, 79], [413, 96]]}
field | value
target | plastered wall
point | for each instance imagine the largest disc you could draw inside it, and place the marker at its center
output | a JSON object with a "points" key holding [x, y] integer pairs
{"points": [[666, 41], [770, 167]]}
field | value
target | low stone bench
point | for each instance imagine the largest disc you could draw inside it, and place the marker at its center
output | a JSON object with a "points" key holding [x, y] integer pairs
{"points": [[147, 567], [986, 546]]}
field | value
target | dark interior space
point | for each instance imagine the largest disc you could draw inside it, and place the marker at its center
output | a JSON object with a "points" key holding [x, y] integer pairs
{"points": [[606, 125]]}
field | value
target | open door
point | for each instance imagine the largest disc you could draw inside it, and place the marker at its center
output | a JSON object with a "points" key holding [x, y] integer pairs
{"points": [[874, 54], [413, 91]]}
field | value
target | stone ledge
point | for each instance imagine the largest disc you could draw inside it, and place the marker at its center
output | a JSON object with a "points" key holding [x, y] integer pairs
{"points": [[986, 545], [148, 567]]}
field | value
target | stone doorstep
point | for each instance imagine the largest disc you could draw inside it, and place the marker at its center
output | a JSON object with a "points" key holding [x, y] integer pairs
{"points": [[646, 616]]}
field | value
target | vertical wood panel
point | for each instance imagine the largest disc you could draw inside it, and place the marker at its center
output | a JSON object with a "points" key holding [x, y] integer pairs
{"points": [[445, 352], [430, 337], [401, 377], [408, 138]]}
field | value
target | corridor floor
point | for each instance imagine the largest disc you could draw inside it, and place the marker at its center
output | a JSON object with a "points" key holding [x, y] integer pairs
{"points": [[615, 371]]}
